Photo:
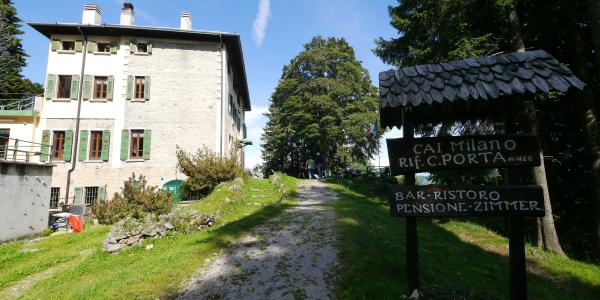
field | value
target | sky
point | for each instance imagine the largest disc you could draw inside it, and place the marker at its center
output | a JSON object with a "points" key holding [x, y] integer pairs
{"points": [[272, 32]]}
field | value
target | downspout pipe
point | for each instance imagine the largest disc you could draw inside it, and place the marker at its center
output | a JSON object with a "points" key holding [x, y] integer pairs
{"points": [[78, 119], [222, 96]]}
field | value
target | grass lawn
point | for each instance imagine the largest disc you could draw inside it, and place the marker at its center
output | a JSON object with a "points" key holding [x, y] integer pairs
{"points": [[74, 266], [458, 259]]}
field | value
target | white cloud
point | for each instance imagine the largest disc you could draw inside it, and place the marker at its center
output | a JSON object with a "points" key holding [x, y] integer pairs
{"points": [[255, 122], [260, 23]]}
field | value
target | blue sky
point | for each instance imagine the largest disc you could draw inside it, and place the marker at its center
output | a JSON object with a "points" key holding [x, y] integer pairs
{"points": [[272, 32]]}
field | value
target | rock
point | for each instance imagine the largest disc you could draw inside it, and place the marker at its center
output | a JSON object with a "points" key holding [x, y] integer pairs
{"points": [[29, 250], [134, 239], [114, 247], [150, 247], [169, 225]]}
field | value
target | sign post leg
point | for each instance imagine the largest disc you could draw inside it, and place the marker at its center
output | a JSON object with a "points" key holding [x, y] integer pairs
{"points": [[412, 253], [516, 260]]}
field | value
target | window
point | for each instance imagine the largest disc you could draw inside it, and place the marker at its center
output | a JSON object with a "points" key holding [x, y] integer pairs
{"points": [[64, 86], [4, 135], [68, 45], [54, 195], [91, 195], [142, 48], [103, 47], [136, 144], [58, 145], [100, 87], [140, 82], [95, 145]]}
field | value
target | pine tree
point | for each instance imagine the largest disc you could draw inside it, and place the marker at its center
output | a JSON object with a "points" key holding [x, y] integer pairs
{"points": [[324, 102]]}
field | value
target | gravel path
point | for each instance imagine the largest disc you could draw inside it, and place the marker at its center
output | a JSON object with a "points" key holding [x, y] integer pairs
{"points": [[292, 256]]}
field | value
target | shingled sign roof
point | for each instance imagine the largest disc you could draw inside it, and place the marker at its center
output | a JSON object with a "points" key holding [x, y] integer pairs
{"points": [[425, 87]]}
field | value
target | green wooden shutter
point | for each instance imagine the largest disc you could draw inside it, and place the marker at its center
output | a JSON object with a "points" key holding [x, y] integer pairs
{"points": [[110, 86], [50, 85], [101, 193], [78, 46], [55, 45], [132, 46], [105, 145], [74, 87], [113, 47], [129, 87], [149, 47], [83, 141], [45, 148], [147, 143], [91, 46], [124, 144], [78, 198], [245, 132], [87, 87], [147, 88], [68, 145]]}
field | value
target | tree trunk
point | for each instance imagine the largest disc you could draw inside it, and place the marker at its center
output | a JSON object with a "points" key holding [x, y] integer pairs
{"points": [[539, 235], [549, 236], [593, 7]]}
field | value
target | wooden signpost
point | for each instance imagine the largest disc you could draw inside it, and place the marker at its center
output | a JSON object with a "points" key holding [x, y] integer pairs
{"points": [[479, 88]]}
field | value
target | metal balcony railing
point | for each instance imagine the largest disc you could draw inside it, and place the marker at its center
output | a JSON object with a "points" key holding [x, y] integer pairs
{"points": [[24, 151], [18, 104]]}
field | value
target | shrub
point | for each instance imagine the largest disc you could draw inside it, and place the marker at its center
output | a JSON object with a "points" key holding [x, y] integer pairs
{"points": [[136, 200], [205, 170]]}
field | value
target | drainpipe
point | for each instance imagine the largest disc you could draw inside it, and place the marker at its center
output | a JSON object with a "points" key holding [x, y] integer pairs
{"points": [[222, 95], [78, 119]]}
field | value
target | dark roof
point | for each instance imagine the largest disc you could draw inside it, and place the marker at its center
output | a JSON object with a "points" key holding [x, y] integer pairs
{"points": [[431, 89], [231, 40]]}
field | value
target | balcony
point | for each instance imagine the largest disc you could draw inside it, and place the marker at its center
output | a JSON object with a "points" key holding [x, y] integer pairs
{"points": [[26, 107]]}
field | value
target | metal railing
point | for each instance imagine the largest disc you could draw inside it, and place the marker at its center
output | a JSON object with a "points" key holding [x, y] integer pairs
{"points": [[18, 104], [24, 151]]}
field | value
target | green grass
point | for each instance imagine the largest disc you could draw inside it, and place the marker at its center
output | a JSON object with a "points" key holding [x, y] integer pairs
{"points": [[457, 259], [85, 271]]}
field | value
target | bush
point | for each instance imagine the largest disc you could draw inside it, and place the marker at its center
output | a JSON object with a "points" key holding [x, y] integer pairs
{"points": [[205, 170], [136, 200]]}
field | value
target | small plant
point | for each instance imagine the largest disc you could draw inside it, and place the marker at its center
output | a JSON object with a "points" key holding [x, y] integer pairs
{"points": [[136, 200], [205, 170]]}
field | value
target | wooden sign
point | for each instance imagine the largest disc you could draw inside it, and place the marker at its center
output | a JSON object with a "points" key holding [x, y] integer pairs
{"points": [[441, 153], [438, 201]]}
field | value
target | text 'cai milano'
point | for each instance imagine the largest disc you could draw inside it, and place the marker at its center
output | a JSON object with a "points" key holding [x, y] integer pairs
{"points": [[426, 154], [435, 201]]}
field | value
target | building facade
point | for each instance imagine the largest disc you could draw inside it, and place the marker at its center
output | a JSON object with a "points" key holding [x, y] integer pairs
{"points": [[120, 98]]}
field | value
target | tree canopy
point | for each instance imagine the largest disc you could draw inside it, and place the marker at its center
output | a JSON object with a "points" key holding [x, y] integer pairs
{"points": [[12, 56], [324, 102]]}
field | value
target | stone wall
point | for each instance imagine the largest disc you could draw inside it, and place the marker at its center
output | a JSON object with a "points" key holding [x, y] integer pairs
{"points": [[24, 199]]}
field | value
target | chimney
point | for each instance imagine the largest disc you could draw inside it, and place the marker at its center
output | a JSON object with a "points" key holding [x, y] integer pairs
{"points": [[127, 14], [91, 14], [186, 20]]}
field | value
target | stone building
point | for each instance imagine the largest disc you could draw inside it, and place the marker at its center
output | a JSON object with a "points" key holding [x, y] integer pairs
{"points": [[134, 93]]}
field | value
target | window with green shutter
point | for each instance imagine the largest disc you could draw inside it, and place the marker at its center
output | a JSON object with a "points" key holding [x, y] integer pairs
{"points": [[55, 45], [147, 88], [83, 141], [132, 46], [102, 193], [50, 85], [105, 145], [68, 145], [74, 87], [109, 92], [129, 95], [45, 148], [149, 47], [113, 47], [91, 46], [78, 46], [87, 87], [124, 144], [147, 143], [78, 198]]}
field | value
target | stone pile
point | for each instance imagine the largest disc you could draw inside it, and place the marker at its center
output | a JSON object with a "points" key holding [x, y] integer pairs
{"points": [[131, 232]]}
